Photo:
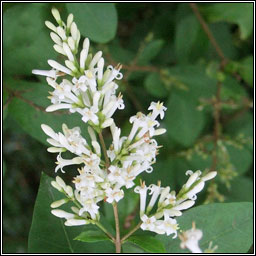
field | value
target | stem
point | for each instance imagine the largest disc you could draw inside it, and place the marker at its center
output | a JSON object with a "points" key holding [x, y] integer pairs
{"points": [[117, 241], [131, 232], [105, 231], [104, 150], [208, 32]]}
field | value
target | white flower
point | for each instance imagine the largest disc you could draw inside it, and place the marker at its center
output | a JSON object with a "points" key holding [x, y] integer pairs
{"points": [[89, 115], [142, 190], [115, 176], [190, 238], [49, 73], [89, 206], [158, 109], [196, 189], [155, 192], [115, 194], [169, 226], [148, 223], [61, 163]]}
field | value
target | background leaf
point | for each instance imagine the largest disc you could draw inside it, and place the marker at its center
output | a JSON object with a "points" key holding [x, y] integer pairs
{"points": [[228, 225], [184, 121], [147, 243], [26, 45], [239, 13], [91, 236], [98, 21], [48, 234]]}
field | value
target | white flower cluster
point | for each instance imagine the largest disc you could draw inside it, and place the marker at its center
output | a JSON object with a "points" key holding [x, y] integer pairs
{"points": [[91, 92], [169, 204]]}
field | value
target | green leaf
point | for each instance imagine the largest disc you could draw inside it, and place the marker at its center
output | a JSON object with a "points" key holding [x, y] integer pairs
{"points": [[148, 243], [26, 42], [227, 225], [48, 234], [91, 236], [131, 248], [184, 121], [150, 51], [193, 81], [241, 190], [186, 34], [246, 69], [155, 86], [98, 21], [240, 158], [238, 13]]}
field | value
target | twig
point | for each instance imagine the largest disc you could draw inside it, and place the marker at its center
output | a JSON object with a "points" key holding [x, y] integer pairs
{"points": [[216, 132], [131, 232], [10, 98], [105, 231], [17, 94], [117, 241], [209, 33]]}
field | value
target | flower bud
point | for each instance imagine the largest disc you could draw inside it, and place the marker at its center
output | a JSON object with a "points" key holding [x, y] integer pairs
{"points": [[70, 20], [59, 203], [209, 176], [49, 25], [62, 214], [185, 205], [56, 185], [56, 15], [61, 182], [76, 222], [55, 38], [69, 191], [59, 49]]}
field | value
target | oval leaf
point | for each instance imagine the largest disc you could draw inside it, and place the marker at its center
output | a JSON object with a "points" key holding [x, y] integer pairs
{"points": [[227, 225], [98, 21]]}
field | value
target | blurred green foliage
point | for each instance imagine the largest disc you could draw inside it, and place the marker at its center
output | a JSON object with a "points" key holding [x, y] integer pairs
{"points": [[165, 55]]}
